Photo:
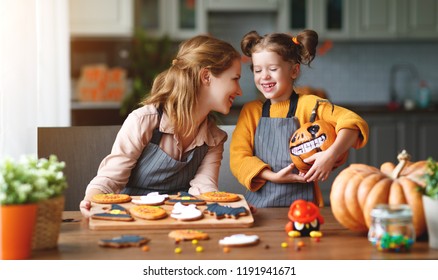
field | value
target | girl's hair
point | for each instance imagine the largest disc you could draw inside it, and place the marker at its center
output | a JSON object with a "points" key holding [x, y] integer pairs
{"points": [[176, 89], [300, 49]]}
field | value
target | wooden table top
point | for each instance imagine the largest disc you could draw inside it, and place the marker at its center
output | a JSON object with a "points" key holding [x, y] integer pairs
{"points": [[78, 242]]}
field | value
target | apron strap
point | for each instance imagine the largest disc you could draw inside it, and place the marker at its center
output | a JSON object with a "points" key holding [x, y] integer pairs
{"points": [[156, 134], [292, 106]]}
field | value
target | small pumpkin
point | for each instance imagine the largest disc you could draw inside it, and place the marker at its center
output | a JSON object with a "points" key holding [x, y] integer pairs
{"points": [[360, 187], [312, 137]]}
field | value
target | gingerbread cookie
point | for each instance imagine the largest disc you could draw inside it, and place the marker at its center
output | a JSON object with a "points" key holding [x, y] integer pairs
{"points": [[237, 240], [225, 211], [148, 212], [186, 212], [115, 213], [124, 241], [153, 198], [110, 198], [188, 234], [220, 197], [186, 199]]}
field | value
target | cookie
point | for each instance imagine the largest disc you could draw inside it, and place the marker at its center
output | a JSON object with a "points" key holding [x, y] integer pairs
{"points": [[147, 212], [186, 212], [225, 211], [110, 198], [124, 241], [188, 234], [153, 198], [186, 199], [237, 240], [115, 213], [220, 197]]}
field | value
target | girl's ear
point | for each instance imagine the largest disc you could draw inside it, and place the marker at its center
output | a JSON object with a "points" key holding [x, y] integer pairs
{"points": [[205, 76], [295, 71]]}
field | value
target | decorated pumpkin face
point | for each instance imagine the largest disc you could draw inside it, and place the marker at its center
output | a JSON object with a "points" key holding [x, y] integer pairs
{"points": [[309, 139], [304, 217]]}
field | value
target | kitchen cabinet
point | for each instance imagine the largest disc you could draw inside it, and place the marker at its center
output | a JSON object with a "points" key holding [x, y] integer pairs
{"points": [[362, 19], [98, 18], [150, 15], [375, 18], [421, 20], [390, 133], [179, 19], [186, 18], [394, 19], [330, 18]]}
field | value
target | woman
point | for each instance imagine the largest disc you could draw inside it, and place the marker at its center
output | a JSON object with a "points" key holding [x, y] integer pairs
{"points": [[172, 144]]}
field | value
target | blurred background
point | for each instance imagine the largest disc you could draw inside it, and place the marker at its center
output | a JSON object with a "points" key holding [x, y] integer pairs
{"points": [[89, 62]]}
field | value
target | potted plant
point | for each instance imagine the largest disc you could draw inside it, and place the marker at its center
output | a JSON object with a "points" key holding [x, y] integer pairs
{"points": [[149, 56], [24, 186], [430, 201]]}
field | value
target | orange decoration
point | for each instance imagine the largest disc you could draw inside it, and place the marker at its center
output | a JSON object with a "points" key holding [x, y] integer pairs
{"points": [[17, 224], [310, 138], [359, 188]]}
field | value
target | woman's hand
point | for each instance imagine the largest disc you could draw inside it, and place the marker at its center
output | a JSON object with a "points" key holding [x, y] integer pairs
{"points": [[85, 207]]}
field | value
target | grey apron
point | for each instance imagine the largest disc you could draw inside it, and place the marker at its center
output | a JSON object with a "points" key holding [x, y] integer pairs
{"points": [[271, 145], [156, 171]]}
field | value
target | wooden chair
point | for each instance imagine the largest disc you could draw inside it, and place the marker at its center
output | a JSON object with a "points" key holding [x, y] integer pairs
{"points": [[82, 148], [227, 181]]}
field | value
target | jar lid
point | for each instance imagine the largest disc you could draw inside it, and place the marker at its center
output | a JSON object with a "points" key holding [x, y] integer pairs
{"points": [[385, 211]]}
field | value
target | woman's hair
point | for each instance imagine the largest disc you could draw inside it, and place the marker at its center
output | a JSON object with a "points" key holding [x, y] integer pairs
{"points": [[176, 89], [300, 49]]}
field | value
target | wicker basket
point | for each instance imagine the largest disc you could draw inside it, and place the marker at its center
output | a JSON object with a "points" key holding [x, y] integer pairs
{"points": [[48, 224]]}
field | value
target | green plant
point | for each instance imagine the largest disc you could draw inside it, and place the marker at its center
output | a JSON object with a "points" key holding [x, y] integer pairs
{"points": [[149, 56], [30, 179], [431, 179]]}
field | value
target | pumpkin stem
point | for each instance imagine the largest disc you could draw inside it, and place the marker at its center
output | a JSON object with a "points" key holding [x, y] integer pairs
{"points": [[315, 109], [403, 158]]}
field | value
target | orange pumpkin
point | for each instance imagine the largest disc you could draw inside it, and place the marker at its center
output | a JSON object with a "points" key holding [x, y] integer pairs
{"points": [[359, 188], [310, 138]]}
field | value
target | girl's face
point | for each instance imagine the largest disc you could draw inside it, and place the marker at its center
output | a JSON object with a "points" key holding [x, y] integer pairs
{"points": [[224, 88], [273, 76]]}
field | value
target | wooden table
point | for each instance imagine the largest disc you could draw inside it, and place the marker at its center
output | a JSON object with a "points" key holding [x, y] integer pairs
{"points": [[78, 242]]}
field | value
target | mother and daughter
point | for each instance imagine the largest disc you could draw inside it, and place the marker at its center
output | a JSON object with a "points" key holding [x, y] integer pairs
{"points": [[172, 143]]}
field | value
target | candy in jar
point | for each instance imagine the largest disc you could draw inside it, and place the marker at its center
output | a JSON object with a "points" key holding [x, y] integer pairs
{"points": [[392, 228]]}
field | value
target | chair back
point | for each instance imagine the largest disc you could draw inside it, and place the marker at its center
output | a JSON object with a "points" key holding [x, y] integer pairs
{"points": [[82, 148], [227, 181]]}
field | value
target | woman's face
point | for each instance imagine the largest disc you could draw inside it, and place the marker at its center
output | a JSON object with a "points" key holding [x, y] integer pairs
{"points": [[273, 76], [224, 88]]}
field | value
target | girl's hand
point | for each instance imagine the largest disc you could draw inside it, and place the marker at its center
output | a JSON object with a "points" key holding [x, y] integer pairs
{"points": [[285, 175], [85, 207], [323, 163]]}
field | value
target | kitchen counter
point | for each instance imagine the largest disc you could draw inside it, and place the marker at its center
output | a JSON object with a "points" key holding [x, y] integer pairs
{"points": [[78, 242], [384, 109]]}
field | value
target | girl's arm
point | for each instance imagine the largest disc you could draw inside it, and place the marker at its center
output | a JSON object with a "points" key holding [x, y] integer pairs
{"points": [[244, 165]]}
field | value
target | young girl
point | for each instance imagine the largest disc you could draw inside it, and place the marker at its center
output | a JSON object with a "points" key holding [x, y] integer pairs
{"points": [[259, 151], [172, 144]]}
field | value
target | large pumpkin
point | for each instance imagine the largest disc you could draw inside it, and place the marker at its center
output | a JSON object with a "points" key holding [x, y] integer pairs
{"points": [[359, 188], [310, 138]]}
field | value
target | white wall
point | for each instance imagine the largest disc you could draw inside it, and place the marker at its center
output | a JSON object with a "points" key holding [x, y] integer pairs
{"points": [[34, 71]]}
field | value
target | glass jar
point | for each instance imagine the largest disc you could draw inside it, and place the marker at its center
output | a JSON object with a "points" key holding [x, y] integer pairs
{"points": [[392, 228]]}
